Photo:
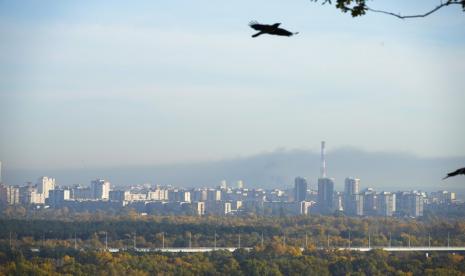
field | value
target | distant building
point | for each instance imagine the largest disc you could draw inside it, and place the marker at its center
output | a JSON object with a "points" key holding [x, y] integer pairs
{"points": [[370, 200], [240, 184], [326, 195], [303, 207], [442, 197], [214, 195], [81, 193], [253, 206], [354, 205], [325, 186], [236, 205], [57, 197], [158, 194], [353, 200], [256, 195], [179, 196], [137, 196], [282, 208], [200, 195], [338, 201], [28, 195], [279, 195], [386, 204], [236, 195], [223, 184], [300, 189], [9, 195], [120, 195], [217, 207], [100, 189], [45, 184], [198, 208], [351, 186], [409, 204]]}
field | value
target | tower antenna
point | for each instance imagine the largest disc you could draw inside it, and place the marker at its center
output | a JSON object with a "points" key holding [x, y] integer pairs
{"points": [[323, 160]]}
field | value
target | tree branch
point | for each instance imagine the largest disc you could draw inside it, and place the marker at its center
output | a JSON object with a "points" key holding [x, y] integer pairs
{"points": [[359, 7], [449, 2]]}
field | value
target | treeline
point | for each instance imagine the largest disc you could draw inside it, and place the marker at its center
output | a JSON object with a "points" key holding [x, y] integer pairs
{"points": [[274, 259], [89, 231]]}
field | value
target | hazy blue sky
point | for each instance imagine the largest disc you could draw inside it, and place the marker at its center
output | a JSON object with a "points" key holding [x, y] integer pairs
{"points": [[110, 83]]}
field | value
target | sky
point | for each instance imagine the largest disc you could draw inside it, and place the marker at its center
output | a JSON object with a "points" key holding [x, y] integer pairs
{"points": [[124, 83]]}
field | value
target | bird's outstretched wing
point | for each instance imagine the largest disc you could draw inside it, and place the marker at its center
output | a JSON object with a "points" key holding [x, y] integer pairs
{"points": [[257, 26], [454, 173], [283, 32]]}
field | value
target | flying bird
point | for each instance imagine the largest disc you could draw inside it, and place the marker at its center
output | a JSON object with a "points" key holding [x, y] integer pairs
{"points": [[457, 172], [269, 29]]}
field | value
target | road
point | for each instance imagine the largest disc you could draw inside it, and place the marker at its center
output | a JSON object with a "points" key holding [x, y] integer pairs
{"points": [[360, 249]]}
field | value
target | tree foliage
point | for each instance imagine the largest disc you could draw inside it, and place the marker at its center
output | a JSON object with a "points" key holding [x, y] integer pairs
{"points": [[240, 262], [279, 254], [97, 230]]}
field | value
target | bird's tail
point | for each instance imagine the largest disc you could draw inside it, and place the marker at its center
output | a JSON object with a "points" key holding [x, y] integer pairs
{"points": [[296, 33], [445, 177]]}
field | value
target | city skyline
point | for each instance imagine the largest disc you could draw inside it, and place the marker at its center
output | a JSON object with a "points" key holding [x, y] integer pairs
{"points": [[225, 199], [273, 170]]}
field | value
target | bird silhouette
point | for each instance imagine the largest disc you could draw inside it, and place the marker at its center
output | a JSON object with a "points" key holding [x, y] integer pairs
{"points": [[269, 29], [454, 173]]}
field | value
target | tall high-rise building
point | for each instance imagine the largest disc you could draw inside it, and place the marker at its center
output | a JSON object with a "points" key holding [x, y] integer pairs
{"points": [[240, 184], [442, 197], [300, 189], [9, 195], [45, 184], [352, 198], [386, 204], [198, 208], [158, 194], [223, 184], [57, 197], [217, 207], [354, 205], [325, 186], [29, 195], [409, 204], [100, 189], [214, 195], [79, 192], [120, 195], [351, 186], [0, 171], [326, 195], [200, 195], [370, 199], [179, 196]]}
